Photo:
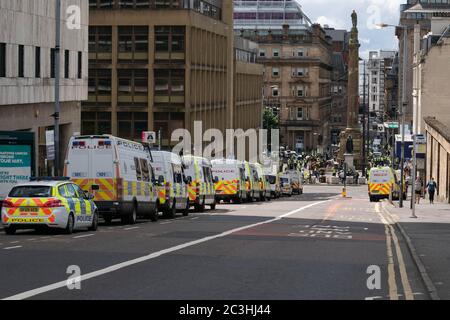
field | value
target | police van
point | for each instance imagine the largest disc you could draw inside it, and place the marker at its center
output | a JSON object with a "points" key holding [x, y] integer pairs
{"points": [[201, 183], [296, 181], [117, 172], [252, 190], [229, 179], [286, 185], [172, 189], [263, 183]]}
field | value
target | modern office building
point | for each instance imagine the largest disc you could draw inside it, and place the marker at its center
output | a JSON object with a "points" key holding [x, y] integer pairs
{"points": [[297, 56], [161, 65], [377, 68], [27, 70], [412, 13]]}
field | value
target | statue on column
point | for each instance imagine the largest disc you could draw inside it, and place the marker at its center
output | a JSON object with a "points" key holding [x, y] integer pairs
{"points": [[355, 19], [349, 146]]}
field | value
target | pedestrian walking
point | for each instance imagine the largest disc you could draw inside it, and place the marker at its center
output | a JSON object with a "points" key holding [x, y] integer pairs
{"points": [[431, 187], [418, 186]]}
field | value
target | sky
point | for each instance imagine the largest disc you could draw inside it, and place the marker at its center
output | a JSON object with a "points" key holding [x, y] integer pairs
{"points": [[336, 13]]}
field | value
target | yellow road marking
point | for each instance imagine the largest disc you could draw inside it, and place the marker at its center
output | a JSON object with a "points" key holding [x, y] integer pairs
{"points": [[391, 238]]}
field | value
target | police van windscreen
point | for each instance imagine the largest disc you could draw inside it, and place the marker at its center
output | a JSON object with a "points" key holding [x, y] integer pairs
{"points": [[272, 179], [31, 192], [227, 173]]}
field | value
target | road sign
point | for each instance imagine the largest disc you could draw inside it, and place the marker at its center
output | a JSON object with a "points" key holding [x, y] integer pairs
{"points": [[391, 125], [50, 144], [421, 139], [381, 128], [149, 137]]}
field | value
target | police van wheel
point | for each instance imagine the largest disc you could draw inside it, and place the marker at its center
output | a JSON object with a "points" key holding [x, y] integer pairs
{"points": [[108, 220], [154, 216], [171, 212], [186, 210], [70, 224], [10, 231], [199, 207], [132, 218], [94, 226]]}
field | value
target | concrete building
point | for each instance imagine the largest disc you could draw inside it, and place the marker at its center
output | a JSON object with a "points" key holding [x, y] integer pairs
{"points": [[161, 65], [412, 13], [297, 57], [27, 70], [377, 68]]}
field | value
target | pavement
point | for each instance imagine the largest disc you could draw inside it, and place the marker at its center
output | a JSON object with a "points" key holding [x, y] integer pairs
{"points": [[429, 237], [317, 246]]}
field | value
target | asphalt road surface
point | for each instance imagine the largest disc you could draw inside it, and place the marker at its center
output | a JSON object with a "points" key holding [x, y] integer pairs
{"points": [[314, 246]]}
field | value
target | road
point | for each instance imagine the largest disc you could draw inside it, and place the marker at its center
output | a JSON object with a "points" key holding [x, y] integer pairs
{"points": [[314, 246]]}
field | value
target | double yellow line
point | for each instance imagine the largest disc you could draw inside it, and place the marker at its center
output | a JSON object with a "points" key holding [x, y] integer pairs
{"points": [[391, 244]]}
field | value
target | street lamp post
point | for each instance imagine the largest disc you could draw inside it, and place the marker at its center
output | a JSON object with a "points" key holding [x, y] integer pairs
{"points": [[403, 111], [56, 115]]}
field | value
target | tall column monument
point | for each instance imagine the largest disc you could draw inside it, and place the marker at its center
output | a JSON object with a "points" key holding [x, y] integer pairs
{"points": [[351, 139]]}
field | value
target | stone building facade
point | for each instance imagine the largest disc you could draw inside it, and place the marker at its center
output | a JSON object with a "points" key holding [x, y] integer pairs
{"points": [[297, 57]]}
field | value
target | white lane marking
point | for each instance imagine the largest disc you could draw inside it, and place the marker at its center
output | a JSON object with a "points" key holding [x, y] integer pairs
{"points": [[165, 222], [14, 242], [196, 218], [132, 228], [62, 284], [10, 248], [373, 298], [84, 236], [32, 239]]}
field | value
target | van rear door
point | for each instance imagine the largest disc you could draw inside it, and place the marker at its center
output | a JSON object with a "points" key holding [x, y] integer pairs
{"points": [[102, 169]]}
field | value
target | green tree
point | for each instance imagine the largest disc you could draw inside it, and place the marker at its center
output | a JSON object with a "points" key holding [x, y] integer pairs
{"points": [[270, 120]]}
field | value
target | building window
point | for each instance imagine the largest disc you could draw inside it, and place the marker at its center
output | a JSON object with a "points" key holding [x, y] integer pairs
{"points": [[52, 62], [133, 87], [99, 87], [300, 72], [169, 86], [133, 40], [37, 62], [275, 92], [276, 53], [300, 53], [66, 64], [299, 91], [275, 72], [169, 39], [262, 53], [21, 61], [80, 65], [100, 42], [132, 124], [95, 123], [2, 60]]}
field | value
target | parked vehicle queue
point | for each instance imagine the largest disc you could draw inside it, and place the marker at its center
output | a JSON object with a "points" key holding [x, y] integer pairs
{"points": [[114, 178]]}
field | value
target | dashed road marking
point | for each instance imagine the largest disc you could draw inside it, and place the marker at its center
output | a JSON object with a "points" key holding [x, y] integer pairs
{"points": [[11, 248], [132, 228], [84, 236]]}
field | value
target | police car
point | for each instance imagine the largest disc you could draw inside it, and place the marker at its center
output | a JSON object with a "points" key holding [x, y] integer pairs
{"points": [[54, 203]]}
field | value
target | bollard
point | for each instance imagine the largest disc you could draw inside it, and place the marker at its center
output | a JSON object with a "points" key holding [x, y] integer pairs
{"points": [[344, 192]]}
